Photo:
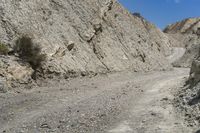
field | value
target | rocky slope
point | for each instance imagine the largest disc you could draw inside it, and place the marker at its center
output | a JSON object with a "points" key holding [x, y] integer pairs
{"points": [[187, 33], [188, 97], [187, 26], [80, 37]]}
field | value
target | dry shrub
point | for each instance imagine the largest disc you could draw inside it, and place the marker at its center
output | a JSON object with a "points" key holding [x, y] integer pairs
{"points": [[29, 52], [3, 49]]}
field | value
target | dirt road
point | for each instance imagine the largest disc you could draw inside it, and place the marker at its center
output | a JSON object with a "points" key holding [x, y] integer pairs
{"points": [[177, 53], [124, 102], [115, 103]]}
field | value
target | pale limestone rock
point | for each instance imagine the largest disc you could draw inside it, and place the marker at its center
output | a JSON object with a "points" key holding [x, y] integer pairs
{"points": [[18, 72], [90, 36], [13, 70]]}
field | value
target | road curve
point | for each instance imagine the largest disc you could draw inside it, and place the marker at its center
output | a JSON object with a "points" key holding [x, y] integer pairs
{"points": [[153, 112], [124, 102], [177, 53], [115, 103]]}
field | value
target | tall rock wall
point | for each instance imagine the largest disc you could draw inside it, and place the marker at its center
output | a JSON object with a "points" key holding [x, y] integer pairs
{"points": [[187, 34], [85, 36]]}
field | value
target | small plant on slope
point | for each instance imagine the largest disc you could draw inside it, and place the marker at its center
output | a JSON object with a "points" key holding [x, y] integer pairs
{"points": [[3, 49], [29, 52]]}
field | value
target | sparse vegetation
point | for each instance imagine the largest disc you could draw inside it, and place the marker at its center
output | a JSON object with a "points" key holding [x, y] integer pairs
{"points": [[137, 14], [29, 52], [3, 49]]}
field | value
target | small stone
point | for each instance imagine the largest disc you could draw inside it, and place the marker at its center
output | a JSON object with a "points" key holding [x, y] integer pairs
{"points": [[143, 121], [45, 125], [70, 46], [165, 99], [153, 114]]}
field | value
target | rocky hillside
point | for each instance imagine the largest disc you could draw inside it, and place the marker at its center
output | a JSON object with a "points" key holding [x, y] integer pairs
{"points": [[188, 98], [187, 26], [80, 38], [187, 33]]}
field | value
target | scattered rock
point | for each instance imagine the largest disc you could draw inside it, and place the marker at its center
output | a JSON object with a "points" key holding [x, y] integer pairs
{"points": [[165, 99], [45, 125], [153, 114]]}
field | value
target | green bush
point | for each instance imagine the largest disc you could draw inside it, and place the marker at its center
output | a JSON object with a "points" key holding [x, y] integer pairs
{"points": [[29, 52], [3, 49]]}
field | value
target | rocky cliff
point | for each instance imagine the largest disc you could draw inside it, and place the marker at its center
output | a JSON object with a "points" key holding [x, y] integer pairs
{"points": [[81, 37], [187, 34]]}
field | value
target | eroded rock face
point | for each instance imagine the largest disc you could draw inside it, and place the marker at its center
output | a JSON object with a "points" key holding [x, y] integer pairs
{"points": [[190, 25], [85, 36], [186, 33], [192, 53]]}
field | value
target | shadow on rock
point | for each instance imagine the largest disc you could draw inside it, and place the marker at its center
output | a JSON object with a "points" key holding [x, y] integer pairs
{"points": [[198, 131], [194, 101]]}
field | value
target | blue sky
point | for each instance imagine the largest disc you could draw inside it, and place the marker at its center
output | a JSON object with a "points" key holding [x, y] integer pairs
{"points": [[164, 12]]}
